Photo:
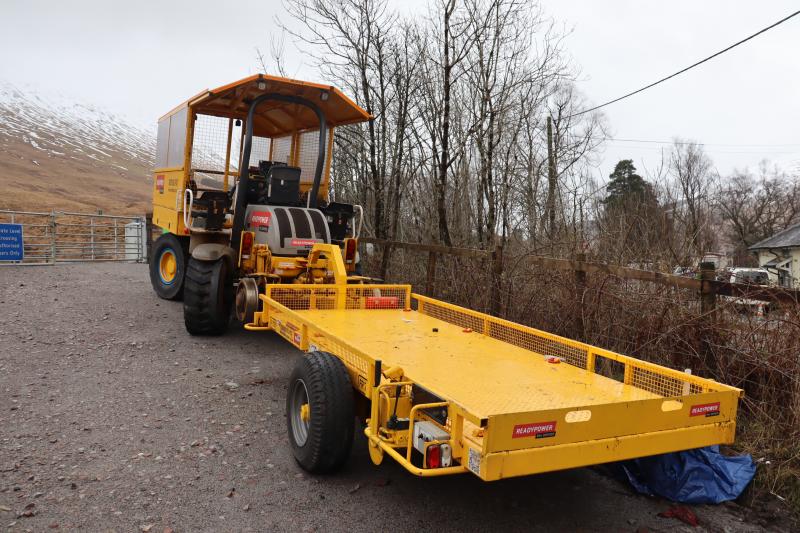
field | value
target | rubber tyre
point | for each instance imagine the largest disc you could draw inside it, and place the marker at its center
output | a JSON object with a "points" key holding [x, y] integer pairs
{"points": [[168, 242], [207, 297], [332, 413]]}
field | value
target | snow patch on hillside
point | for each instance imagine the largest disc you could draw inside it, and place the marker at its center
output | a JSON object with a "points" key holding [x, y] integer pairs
{"points": [[58, 126]]}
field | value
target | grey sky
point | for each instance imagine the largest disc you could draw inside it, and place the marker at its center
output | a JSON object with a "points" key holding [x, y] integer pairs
{"points": [[141, 58]]}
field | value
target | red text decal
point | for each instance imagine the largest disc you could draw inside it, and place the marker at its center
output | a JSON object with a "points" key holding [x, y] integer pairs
{"points": [[706, 409], [260, 218], [539, 430], [306, 243]]}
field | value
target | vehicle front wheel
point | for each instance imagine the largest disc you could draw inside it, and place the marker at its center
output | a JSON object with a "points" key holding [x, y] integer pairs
{"points": [[320, 413], [168, 266], [207, 297]]}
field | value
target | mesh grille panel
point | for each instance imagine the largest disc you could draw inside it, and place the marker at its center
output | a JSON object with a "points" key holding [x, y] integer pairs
{"points": [[452, 316], [376, 298], [259, 151], [303, 299], [662, 385], [325, 297], [307, 156], [281, 148], [539, 344], [210, 143], [358, 366]]}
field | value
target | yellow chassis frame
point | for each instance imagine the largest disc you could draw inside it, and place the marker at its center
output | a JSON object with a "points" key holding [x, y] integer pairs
{"points": [[482, 444]]}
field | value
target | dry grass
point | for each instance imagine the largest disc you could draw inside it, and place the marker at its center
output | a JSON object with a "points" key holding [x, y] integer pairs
{"points": [[70, 184]]}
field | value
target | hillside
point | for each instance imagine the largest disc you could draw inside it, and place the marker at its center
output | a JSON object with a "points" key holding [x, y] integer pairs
{"points": [[66, 155]]}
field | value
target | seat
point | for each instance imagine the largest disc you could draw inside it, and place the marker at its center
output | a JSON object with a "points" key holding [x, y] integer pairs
{"points": [[257, 188], [264, 166], [284, 185], [216, 204]]}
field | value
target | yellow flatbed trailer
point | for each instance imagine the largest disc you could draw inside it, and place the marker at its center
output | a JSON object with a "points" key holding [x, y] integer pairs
{"points": [[451, 390]]}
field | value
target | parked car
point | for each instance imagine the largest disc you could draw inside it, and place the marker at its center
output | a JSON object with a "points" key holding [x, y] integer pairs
{"points": [[755, 277], [750, 276]]}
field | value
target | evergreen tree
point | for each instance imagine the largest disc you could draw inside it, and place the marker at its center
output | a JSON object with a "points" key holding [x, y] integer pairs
{"points": [[631, 218], [627, 186]]}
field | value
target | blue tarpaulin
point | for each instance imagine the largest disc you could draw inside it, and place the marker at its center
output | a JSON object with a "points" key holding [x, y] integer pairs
{"points": [[695, 476]]}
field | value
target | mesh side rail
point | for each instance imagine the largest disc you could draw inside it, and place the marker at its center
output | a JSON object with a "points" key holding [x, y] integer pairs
{"points": [[378, 297], [360, 365], [662, 385], [326, 297], [653, 378], [303, 298]]}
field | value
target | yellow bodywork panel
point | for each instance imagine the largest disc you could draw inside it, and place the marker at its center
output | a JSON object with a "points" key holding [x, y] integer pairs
{"points": [[169, 219], [168, 187]]}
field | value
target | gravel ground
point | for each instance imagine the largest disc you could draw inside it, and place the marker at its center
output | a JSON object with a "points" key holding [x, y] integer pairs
{"points": [[113, 418]]}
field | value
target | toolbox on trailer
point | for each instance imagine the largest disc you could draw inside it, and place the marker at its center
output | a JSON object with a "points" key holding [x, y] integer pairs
{"points": [[452, 390]]}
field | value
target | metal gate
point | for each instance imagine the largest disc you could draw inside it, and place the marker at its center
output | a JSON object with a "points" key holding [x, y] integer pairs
{"points": [[62, 237]]}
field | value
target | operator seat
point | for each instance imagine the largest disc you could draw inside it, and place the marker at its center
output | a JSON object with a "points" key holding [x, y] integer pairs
{"points": [[284, 185], [215, 204]]}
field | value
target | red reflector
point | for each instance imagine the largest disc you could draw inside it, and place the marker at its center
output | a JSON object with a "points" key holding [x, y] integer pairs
{"points": [[433, 456], [350, 250], [247, 243], [382, 302]]}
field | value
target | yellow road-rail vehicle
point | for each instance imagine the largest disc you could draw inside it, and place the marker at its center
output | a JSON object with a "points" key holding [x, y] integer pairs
{"points": [[439, 388]]}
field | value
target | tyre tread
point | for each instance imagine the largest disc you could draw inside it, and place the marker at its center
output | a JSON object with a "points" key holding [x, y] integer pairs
{"points": [[331, 430]]}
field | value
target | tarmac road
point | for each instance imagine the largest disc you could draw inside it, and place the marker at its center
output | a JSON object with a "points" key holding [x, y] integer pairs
{"points": [[113, 418]]}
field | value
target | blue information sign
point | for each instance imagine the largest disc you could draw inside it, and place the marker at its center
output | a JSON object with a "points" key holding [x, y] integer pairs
{"points": [[11, 248]]}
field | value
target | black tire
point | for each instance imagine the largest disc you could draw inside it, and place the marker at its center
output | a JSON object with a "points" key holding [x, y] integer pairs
{"points": [[165, 288], [207, 297], [329, 430]]}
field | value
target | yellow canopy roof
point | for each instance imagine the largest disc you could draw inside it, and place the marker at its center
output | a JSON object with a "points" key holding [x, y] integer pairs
{"points": [[276, 118]]}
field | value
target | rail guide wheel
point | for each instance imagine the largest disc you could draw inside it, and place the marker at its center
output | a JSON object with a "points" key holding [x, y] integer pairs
{"points": [[247, 300]]}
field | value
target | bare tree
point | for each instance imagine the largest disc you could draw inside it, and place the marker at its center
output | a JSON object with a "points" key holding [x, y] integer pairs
{"points": [[755, 207], [692, 179], [456, 148]]}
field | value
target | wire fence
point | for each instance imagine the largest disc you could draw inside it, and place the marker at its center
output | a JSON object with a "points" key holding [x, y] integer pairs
{"points": [[63, 237]]}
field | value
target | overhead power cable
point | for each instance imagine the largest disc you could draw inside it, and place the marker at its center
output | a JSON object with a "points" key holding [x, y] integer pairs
{"points": [[740, 145], [662, 80]]}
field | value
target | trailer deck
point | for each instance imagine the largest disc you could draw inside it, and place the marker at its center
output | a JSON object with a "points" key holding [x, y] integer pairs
{"points": [[486, 376], [518, 400]]}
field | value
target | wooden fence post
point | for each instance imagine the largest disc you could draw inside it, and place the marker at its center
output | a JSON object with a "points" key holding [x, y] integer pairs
{"points": [[708, 310], [431, 274], [386, 255], [708, 292], [580, 290]]}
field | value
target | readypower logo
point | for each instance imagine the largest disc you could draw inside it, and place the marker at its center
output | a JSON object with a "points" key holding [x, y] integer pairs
{"points": [[260, 218], [706, 409], [538, 430], [304, 243]]}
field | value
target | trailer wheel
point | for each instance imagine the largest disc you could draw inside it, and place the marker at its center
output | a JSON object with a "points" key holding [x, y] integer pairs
{"points": [[207, 297], [320, 413], [168, 266]]}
